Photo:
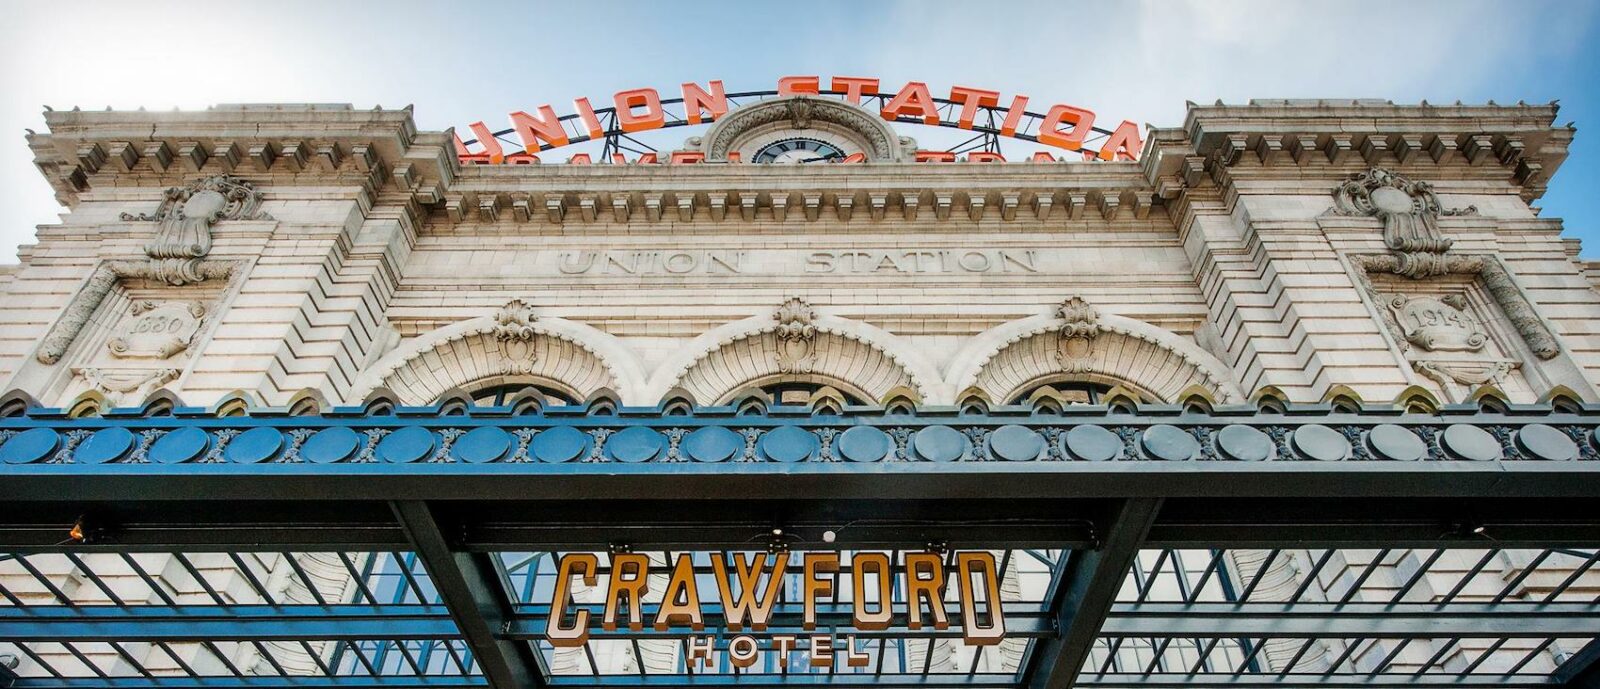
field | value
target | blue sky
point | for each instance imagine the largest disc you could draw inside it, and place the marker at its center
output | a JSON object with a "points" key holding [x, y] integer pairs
{"points": [[460, 62]]}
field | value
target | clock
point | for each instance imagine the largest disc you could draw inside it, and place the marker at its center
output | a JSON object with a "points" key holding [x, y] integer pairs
{"points": [[798, 151]]}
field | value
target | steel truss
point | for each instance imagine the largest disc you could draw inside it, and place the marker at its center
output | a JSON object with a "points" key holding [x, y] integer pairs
{"points": [[1489, 562]]}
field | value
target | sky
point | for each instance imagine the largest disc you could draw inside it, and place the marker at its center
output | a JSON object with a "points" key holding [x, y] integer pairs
{"points": [[461, 62]]}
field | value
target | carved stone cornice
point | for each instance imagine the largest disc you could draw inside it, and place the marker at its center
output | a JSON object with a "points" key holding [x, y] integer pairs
{"points": [[1485, 142], [335, 141]]}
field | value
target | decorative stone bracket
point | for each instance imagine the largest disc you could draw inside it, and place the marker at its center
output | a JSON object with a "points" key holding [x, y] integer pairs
{"points": [[184, 220], [1409, 210]]}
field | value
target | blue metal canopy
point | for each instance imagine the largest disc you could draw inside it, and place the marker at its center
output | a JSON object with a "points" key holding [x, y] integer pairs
{"points": [[159, 547]]}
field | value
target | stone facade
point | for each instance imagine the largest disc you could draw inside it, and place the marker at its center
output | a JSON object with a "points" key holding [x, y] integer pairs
{"points": [[302, 257], [333, 253]]}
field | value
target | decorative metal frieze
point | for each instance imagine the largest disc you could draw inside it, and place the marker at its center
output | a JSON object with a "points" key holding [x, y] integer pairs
{"points": [[783, 440], [157, 330], [797, 335], [514, 333], [1409, 210], [1081, 324], [1490, 273], [185, 217], [100, 284]]}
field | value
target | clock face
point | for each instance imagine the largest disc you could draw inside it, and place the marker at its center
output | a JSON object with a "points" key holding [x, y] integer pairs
{"points": [[798, 151]]}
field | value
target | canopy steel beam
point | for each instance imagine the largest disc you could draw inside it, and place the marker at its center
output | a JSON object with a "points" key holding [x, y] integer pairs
{"points": [[225, 623], [469, 586], [255, 682], [1309, 681], [1352, 620], [1582, 669], [1088, 590]]}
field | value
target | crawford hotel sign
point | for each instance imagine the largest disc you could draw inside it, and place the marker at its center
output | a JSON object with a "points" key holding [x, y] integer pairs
{"points": [[693, 387]]}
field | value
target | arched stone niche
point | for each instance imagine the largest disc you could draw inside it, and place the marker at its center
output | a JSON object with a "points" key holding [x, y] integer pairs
{"points": [[856, 129], [1081, 343], [512, 344], [795, 343]]}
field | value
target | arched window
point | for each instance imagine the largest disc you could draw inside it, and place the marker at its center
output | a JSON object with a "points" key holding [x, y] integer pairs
{"points": [[802, 392], [1066, 392], [501, 394]]}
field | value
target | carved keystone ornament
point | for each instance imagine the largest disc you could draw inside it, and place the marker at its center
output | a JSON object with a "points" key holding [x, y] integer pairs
{"points": [[797, 336], [513, 331], [1082, 325]]}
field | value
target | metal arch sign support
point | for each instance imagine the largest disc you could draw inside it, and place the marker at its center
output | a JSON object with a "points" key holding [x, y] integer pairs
{"points": [[1063, 126]]}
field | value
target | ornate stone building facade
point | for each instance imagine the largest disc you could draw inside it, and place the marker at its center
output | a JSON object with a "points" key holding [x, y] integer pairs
{"points": [[296, 259], [1305, 250]]}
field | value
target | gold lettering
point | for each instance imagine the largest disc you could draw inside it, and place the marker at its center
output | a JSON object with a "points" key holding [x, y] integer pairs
{"points": [[680, 604], [751, 606], [700, 650], [821, 650], [974, 631], [783, 643], [925, 583], [815, 586], [560, 636], [860, 565], [630, 579], [742, 651], [852, 657]]}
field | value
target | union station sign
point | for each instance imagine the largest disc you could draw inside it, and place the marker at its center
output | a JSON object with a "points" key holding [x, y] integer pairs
{"points": [[638, 110]]}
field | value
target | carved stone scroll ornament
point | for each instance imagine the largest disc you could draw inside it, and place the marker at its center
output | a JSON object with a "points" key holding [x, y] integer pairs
{"points": [[133, 385], [1081, 325], [157, 330], [100, 283], [797, 335], [1490, 273], [184, 220], [1409, 210], [514, 332]]}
